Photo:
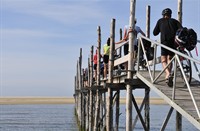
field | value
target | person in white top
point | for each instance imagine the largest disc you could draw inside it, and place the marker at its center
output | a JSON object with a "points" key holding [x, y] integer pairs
{"points": [[127, 30], [137, 30]]}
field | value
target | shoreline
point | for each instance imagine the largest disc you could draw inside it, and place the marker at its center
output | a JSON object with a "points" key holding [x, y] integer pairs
{"points": [[63, 100]]}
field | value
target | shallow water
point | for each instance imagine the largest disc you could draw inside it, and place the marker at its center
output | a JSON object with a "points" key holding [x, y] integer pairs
{"points": [[61, 117], [37, 118]]}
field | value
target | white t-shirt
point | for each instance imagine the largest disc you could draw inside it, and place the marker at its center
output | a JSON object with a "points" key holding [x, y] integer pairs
{"points": [[137, 29]]}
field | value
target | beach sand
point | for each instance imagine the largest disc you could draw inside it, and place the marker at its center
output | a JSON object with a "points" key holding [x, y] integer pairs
{"points": [[36, 100], [61, 100]]}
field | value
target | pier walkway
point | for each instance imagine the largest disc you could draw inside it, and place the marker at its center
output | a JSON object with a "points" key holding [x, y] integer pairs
{"points": [[96, 100], [184, 96]]}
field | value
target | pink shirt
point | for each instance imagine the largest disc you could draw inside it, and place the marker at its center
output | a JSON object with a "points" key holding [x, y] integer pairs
{"points": [[95, 59]]}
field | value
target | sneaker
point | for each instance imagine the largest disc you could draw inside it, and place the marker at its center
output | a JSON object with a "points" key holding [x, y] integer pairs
{"points": [[170, 81]]}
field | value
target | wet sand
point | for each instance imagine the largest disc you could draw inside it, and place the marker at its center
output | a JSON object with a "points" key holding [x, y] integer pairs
{"points": [[61, 100], [36, 100]]}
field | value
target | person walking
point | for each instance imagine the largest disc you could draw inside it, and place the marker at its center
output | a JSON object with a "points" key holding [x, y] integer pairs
{"points": [[167, 28], [106, 52], [127, 30]]}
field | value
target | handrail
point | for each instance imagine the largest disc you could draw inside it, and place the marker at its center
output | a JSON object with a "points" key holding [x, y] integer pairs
{"points": [[177, 60], [170, 49], [120, 44]]}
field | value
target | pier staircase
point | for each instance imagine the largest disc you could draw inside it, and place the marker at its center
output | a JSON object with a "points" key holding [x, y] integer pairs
{"points": [[95, 101], [184, 95]]}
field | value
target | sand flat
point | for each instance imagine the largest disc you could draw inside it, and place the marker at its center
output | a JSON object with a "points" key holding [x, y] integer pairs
{"points": [[36, 100], [61, 100]]}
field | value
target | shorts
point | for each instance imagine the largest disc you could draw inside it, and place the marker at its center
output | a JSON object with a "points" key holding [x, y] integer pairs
{"points": [[105, 59], [95, 66], [126, 49], [165, 52], [126, 46]]}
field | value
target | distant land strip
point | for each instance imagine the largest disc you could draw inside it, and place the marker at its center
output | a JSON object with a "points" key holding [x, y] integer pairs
{"points": [[62, 100]]}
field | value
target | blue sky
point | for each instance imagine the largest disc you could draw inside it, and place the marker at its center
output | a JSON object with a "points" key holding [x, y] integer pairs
{"points": [[41, 39]]}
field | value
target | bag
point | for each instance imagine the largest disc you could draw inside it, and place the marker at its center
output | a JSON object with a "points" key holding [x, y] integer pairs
{"points": [[192, 39], [150, 53], [147, 44], [181, 37], [186, 38]]}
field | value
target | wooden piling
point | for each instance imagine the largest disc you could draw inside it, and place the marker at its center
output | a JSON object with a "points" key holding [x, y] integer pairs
{"points": [[178, 115], [120, 49], [97, 110], [180, 12], [91, 93], [88, 98], [80, 87], [148, 13], [130, 67], [147, 89], [109, 115], [118, 93]]}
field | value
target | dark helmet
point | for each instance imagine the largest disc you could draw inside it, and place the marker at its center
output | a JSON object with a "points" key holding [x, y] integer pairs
{"points": [[167, 11]]}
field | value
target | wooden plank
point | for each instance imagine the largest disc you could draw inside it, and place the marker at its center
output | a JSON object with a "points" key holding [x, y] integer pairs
{"points": [[117, 46], [136, 83], [121, 60], [182, 95], [116, 86]]}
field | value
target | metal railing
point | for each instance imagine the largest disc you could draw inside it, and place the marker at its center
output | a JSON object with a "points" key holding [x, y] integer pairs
{"points": [[177, 63]]}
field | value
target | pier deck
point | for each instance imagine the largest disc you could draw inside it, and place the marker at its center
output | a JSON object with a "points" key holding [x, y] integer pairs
{"points": [[182, 102]]}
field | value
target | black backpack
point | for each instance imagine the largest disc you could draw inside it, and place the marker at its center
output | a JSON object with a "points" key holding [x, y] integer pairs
{"points": [[186, 38], [192, 40]]}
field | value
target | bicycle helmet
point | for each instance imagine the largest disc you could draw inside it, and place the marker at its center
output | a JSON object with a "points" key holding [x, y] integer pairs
{"points": [[167, 11]]}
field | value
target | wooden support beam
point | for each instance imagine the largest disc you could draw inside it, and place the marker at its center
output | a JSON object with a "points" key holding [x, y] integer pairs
{"points": [[138, 112], [117, 113], [137, 83], [116, 86], [147, 108]]}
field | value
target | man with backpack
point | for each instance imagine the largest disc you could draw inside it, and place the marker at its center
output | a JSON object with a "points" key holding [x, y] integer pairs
{"points": [[167, 28]]}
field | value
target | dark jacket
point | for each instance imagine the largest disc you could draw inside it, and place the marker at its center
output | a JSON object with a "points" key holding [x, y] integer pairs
{"points": [[167, 27]]}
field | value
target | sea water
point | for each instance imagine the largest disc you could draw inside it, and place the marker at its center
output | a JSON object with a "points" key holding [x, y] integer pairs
{"points": [[60, 117], [38, 118]]}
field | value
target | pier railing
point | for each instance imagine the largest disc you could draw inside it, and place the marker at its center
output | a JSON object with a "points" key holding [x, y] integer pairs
{"points": [[151, 65]]}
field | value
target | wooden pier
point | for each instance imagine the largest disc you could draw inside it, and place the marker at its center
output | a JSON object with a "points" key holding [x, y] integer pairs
{"points": [[95, 101]]}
